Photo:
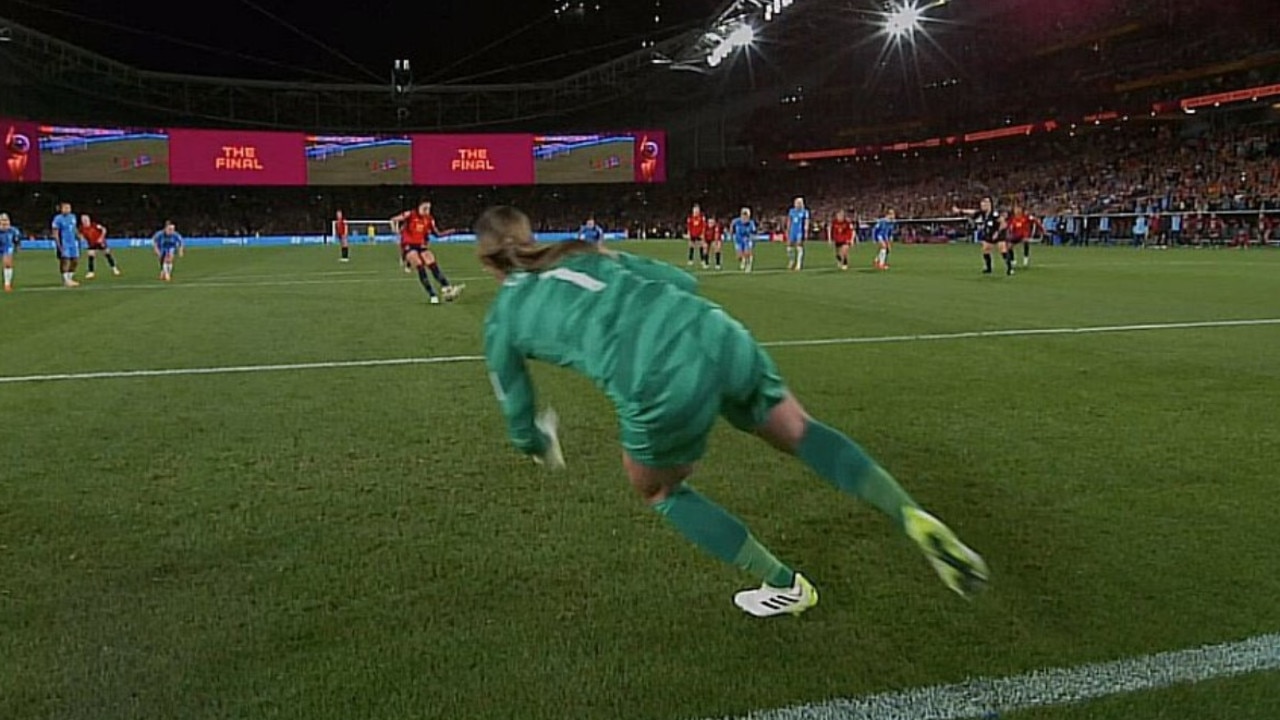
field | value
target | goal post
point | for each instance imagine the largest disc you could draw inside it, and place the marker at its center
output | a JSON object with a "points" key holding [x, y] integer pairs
{"points": [[365, 231]]}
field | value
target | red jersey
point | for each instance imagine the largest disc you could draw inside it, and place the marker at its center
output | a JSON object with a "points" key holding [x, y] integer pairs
{"points": [[842, 231], [697, 227], [340, 228], [416, 228], [712, 231], [1019, 227], [95, 235]]}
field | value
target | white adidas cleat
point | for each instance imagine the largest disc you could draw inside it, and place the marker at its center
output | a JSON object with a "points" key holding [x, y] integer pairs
{"points": [[767, 601], [435, 300], [548, 423]]}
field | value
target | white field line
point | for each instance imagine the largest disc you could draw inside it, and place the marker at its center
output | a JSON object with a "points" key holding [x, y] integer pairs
{"points": [[445, 359], [987, 697]]}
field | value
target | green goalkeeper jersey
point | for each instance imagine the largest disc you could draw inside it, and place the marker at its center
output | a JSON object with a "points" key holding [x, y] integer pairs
{"points": [[615, 318]]}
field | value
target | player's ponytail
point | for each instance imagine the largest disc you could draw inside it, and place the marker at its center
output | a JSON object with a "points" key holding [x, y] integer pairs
{"points": [[504, 242]]}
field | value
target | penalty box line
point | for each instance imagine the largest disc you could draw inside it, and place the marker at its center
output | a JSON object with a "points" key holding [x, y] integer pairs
{"points": [[448, 359], [1049, 687]]}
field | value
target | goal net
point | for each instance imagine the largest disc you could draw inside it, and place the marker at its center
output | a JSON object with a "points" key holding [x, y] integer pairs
{"points": [[365, 231]]}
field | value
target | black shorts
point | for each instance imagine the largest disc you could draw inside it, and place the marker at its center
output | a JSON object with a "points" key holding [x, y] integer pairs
{"points": [[406, 249], [1016, 240], [98, 246]]}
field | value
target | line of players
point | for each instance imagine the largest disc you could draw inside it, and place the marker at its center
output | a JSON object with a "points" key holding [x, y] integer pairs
{"points": [[69, 231], [994, 230], [706, 237]]}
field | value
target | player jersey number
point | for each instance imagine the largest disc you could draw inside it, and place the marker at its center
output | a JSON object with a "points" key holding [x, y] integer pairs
{"points": [[582, 280]]}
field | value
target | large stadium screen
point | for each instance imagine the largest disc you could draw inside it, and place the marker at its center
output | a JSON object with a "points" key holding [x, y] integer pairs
{"points": [[103, 155], [359, 160], [651, 156], [571, 159], [236, 157], [20, 153], [473, 159]]}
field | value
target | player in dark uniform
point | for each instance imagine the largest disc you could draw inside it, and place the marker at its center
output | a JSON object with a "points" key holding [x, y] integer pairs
{"points": [[990, 229]]}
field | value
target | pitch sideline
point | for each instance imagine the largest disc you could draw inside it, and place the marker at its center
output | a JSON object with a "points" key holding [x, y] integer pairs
{"points": [[447, 359], [1049, 687]]}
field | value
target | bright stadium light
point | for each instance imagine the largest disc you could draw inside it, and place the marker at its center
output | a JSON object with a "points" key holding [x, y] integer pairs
{"points": [[742, 36], [903, 21]]}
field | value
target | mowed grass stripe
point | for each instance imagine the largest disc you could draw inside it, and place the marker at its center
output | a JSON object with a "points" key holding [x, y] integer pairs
{"points": [[985, 697], [439, 359]]}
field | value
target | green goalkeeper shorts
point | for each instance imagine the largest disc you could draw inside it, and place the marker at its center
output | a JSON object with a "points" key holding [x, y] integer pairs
{"points": [[716, 368]]}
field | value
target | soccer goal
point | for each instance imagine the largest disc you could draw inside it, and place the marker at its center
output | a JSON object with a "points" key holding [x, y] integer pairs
{"points": [[365, 231]]}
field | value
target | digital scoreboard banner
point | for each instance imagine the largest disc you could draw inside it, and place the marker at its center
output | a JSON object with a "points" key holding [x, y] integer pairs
{"points": [[359, 160], [237, 157], [20, 154], [55, 153], [103, 155], [473, 160]]}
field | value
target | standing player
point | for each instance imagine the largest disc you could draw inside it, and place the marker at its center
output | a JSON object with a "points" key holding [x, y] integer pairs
{"points": [[989, 230], [744, 231], [685, 364], [797, 231], [882, 233], [841, 233], [696, 229], [95, 238], [591, 232], [10, 237], [416, 228], [340, 231], [714, 236], [66, 238], [1019, 228], [167, 243]]}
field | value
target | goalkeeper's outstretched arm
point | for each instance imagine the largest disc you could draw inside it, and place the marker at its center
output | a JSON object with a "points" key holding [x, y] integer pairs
{"points": [[514, 390]]}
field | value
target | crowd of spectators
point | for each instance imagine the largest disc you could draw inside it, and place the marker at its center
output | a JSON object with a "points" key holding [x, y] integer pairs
{"points": [[1118, 169]]}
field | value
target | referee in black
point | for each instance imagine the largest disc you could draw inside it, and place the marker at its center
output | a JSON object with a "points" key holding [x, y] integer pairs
{"points": [[990, 230]]}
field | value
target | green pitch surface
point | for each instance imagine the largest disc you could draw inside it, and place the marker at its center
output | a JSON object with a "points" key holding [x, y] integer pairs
{"points": [[100, 163], [361, 167], [342, 541]]}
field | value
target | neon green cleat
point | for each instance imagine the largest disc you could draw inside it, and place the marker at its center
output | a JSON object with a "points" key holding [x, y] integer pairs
{"points": [[960, 568]]}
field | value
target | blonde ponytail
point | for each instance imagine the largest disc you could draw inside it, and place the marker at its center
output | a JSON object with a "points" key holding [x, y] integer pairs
{"points": [[504, 242]]}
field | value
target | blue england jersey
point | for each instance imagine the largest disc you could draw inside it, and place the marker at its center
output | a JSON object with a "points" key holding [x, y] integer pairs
{"points": [[9, 240], [591, 233], [165, 240], [883, 231], [65, 229], [744, 231], [797, 223]]}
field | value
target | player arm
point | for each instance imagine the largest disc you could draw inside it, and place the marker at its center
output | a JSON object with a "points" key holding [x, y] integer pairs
{"points": [[659, 272], [397, 221], [514, 389]]}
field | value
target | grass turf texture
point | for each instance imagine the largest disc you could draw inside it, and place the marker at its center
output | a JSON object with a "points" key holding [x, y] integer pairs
{"points": [[346, 543]]}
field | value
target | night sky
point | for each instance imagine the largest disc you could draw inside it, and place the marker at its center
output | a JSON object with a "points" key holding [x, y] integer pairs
{"points": [[265, 38]]}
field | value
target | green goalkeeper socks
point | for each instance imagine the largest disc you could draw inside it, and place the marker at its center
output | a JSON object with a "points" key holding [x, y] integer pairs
{"points": [[846, 465], [713, 529]]}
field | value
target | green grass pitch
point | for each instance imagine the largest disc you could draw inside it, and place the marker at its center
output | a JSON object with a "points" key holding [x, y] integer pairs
{"points": [[361, 542]]}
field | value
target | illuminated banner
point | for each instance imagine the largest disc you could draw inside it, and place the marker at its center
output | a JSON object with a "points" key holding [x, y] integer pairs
{"points": [[1256, 93], [651, 156], [584, 159], [21, 153], [235, 157], [473, 160], [103, 155], [359, 160]]}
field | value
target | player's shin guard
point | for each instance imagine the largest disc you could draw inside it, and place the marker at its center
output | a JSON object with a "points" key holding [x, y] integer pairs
{"points": [[844, 463], [986, 260], [713, 529], [346, 253], [439, 275], [426, 283]]}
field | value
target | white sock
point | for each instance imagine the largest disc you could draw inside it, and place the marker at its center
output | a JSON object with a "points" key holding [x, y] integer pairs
{"points": [[791, 252], [168, 268], [882, 256], [800, 257], [8, 276], [66, 277]]}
